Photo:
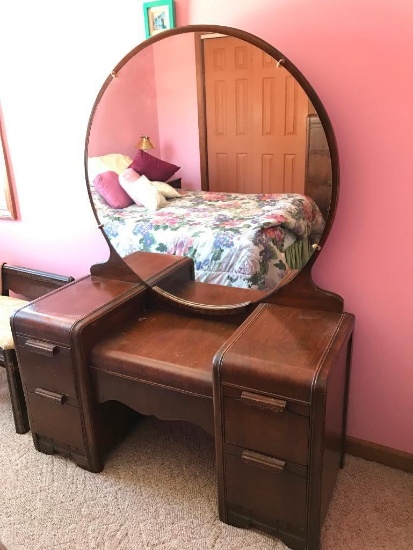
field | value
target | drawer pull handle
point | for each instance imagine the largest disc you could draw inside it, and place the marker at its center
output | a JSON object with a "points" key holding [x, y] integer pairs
{"points": [[263, 402], [263, 461], [57, 398], [44, 348]]}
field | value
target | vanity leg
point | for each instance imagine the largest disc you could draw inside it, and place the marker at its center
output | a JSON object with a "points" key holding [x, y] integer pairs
{"points": [[49, 446]]}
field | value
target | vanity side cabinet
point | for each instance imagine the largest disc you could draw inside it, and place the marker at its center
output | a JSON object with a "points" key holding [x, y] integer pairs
{"points": [[280, 402], [53, 337]]}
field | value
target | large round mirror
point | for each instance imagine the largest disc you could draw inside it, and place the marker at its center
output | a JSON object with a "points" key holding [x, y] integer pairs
{"points": [[207, 142]]}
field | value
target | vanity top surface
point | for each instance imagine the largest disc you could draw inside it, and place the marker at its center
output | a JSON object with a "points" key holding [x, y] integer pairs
{"points": [[166, 348], [286, 344], [60, 310]]}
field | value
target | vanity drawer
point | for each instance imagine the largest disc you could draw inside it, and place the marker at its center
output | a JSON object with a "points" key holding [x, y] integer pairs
{"points": [[266, 424], [47, 365], [54, 420], [266, 488]]}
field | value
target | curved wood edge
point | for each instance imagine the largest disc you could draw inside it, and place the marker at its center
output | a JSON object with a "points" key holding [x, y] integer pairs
{"points": [[115, 268], [209, 309], [303, 292]]}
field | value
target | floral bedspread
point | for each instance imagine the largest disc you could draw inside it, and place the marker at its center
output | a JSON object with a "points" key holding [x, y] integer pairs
{"points": [[234, 239]]}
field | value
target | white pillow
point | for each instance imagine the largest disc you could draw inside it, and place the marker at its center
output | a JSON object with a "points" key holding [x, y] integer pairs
{"points": [[115, 162], [140, 190], [167, 190]]}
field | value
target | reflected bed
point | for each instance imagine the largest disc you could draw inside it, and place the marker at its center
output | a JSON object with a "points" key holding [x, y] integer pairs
{"points": [[247, 241]]}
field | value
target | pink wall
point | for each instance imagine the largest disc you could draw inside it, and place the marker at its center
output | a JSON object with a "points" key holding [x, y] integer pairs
{"points": [[356, 56], [177, 107], [127, 110], [154, 96]]}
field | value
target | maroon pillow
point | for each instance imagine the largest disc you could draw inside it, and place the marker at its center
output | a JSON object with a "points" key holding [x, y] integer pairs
{"points": [[108, 186], [153, 168]]}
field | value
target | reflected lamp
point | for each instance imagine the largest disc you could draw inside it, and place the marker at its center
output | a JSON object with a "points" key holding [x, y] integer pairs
{"points": [[144, 143]]}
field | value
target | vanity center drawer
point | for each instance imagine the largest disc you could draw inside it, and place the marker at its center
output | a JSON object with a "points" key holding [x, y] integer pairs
{"points": [[267, 424], [47, 366]]}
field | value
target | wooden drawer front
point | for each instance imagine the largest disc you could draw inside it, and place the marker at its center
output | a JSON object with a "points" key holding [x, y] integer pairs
{"points": [[60, 422], [255, 483], [271, 426], [47, 365]]}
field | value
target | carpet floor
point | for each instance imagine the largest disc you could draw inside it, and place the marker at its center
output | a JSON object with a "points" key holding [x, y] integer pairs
{"points": [[158, 491]]}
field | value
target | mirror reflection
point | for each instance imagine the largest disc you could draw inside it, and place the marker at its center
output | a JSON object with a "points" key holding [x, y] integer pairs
{"points": [[237, 173]]}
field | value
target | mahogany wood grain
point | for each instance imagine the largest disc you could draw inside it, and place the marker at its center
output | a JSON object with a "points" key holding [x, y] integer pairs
{"points": [[270, 385], [74, 320], [300, 356], [161, 364], [153, 267]]}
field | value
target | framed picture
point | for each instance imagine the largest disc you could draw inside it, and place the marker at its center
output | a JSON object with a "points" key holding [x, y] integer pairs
{"points": [[7, 203], [159, 16]]}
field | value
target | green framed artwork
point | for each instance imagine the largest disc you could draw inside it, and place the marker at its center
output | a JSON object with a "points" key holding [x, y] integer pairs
{"points": [[159, 16]]}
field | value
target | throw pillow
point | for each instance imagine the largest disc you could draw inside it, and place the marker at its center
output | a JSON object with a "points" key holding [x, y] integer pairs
{"points": [[142, 192], [108, 186], [153, 168], [115, 162], [164, 188]]}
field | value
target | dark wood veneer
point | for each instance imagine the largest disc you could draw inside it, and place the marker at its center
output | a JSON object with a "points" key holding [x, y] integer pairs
{"points": [[270, 386]]}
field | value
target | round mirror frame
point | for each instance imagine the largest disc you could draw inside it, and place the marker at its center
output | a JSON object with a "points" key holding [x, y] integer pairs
{"points": [[298, 289]]}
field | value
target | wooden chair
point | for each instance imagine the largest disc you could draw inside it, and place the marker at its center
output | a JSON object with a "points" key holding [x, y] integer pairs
{"points": [[29, 284]]}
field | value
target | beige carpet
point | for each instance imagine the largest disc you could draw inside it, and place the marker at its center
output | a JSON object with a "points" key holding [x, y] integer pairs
{"points": [[158, 491]]}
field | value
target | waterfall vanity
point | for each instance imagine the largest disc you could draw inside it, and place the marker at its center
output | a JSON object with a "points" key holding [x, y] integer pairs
{"points": [[266, 373]]}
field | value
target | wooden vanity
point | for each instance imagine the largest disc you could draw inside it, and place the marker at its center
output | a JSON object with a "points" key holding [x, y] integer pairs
{"points": [[265, 373], [270, 384]]}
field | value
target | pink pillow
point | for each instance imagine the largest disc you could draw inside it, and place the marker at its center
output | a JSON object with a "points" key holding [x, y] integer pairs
{"points": [[152, 167], [108, 186]]}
